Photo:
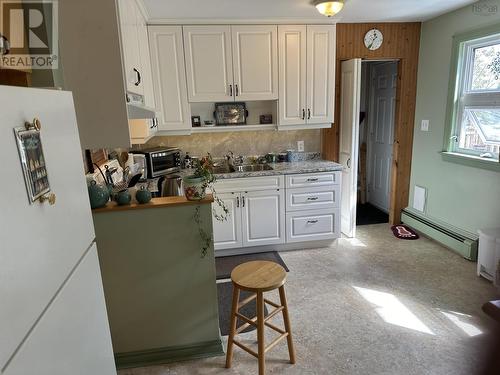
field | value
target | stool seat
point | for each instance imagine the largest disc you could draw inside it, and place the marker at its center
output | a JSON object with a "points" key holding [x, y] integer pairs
{"points": [[259, 276]]}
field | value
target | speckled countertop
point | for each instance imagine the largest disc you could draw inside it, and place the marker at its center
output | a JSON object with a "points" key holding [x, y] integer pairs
{"points": [[308, 166]]}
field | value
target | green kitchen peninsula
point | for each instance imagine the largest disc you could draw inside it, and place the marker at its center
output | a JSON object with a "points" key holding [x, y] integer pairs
{"points": [[160, 292]]}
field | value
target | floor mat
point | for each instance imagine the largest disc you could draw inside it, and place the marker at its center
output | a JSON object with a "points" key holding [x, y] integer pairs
{"points": [[225, 297], [404, 232], [369, 214], [224, 265]]}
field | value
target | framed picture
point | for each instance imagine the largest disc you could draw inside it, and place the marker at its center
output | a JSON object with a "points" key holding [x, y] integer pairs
{"points": [[30, 149], [231, 113]]}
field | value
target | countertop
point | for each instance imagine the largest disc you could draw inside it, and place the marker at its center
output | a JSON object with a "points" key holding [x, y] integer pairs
{"points": [[297, 167], [162, 202]]}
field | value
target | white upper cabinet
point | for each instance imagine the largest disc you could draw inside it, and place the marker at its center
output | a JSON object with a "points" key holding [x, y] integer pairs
{"points": [[320, 73], [209, 66], [255, 62], [292, 90], [167, 60], [135, 51], [145, 56], [307, 75], [130, 45]]}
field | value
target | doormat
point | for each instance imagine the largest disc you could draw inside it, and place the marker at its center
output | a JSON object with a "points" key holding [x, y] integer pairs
{"points": [[404, 232], [224, 265], [225, 297]]}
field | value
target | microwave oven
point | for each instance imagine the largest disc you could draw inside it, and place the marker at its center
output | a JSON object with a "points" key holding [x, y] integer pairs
{"points": [[160, 161]]}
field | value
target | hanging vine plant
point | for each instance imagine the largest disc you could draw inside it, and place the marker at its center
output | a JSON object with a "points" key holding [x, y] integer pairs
{"points": [[195, 187]]}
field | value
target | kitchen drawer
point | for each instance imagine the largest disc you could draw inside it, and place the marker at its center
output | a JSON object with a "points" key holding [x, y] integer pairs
{"points": [[312, 225], [313, 198], [246, 184], [313, 179]]}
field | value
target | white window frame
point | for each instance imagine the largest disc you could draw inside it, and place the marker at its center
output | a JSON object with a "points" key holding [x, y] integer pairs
{"points": [[465, 97]]}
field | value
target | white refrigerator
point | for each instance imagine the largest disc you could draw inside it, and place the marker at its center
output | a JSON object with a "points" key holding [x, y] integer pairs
{"points": [[53, 316]]}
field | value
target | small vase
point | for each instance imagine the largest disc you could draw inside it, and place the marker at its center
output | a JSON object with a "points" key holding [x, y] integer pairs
{"points": [[123, 197], [143, 196], [98, 195], [194, 188]]}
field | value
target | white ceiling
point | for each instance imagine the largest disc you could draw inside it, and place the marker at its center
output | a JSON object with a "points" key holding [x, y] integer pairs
{"points": [[300, 10]]}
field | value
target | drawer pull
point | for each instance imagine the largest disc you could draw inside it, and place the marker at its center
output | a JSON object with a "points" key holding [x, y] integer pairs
{"points": [[312, 221], [312, 198], [312, 179]]}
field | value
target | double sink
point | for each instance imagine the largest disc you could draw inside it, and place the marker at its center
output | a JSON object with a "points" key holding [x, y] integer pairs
{"points": [[221, 169]]}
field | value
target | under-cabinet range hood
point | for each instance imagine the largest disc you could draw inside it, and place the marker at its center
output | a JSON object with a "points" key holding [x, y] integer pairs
{"points": [[136, 108]]}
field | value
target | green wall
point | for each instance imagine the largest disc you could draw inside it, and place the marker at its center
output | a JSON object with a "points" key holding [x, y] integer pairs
{"points": [[463, 196], [160, 293]]}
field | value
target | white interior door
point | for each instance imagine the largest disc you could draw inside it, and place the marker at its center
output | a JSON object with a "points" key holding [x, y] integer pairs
{"points": [[350, 97], [209, 65], [227, 233], [255, 62], [263, 217], [381, 110], [292, 74]]}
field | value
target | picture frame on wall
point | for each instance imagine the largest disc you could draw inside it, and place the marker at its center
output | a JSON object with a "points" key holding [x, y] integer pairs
{"points": [[29, 144]]}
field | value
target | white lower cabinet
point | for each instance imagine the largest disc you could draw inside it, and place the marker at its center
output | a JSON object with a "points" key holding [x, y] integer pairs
{"points": [[256, 212], [263, 217], [312, 225], [227, 233], [263, 212]]}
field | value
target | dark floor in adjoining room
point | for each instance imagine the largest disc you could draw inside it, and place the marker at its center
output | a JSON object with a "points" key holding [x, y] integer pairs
{"points": [[369, 214]]}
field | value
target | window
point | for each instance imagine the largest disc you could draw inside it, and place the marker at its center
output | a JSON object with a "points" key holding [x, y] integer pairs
{"points": [[475, 117]]}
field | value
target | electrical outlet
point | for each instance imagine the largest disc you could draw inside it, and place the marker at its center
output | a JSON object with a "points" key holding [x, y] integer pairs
{"points": [[424, 126], [300, 146]]}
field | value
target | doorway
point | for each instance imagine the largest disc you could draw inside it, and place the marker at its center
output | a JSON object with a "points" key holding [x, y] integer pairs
{"points": [[368, 103], [376, 138]]}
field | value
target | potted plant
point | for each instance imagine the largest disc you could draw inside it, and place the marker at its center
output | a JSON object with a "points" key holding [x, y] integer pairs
{"points": [[195, 186]]}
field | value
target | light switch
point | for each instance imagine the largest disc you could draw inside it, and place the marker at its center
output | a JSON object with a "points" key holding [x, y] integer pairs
{"points": [[424, 126], [300, 146]]}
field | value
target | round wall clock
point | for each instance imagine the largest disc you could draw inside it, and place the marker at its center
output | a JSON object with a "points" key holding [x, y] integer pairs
{"points": [[373, 39]]}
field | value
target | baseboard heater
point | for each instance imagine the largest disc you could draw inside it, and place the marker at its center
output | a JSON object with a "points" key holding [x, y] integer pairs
{"points": [[462, 242]]}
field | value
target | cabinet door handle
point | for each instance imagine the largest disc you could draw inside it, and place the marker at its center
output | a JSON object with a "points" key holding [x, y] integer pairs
{"points": [[237, 201], [138, 82], [308, 113], [303, 113], [312, 179], [237, 90], [312, 198], [312, 221], [243, 201], [230, 90]]}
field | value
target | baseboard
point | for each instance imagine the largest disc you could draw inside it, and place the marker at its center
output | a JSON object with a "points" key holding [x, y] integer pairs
{"points": [[281, 247], [458, 240], [169, 354]]}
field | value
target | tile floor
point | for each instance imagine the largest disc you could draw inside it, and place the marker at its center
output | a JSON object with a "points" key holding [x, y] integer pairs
{"points": [[373, 305]]}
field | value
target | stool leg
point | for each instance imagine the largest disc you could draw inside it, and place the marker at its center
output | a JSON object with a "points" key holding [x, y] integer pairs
{"points": [[260, 332], [286, 319], [232, 331]]}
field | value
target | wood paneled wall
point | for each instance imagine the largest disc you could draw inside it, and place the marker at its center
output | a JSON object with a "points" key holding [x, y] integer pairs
{"points": [[401, 41], [12, 77]]}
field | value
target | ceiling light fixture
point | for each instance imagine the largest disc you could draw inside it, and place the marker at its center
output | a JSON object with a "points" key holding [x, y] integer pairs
{"points": [[329, 8]]}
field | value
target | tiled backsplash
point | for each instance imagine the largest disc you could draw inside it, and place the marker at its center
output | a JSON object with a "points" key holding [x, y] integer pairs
{"points": [[242, 143]]}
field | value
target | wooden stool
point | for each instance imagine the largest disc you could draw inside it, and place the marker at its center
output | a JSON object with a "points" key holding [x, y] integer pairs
{"points": [[259, 277]]}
